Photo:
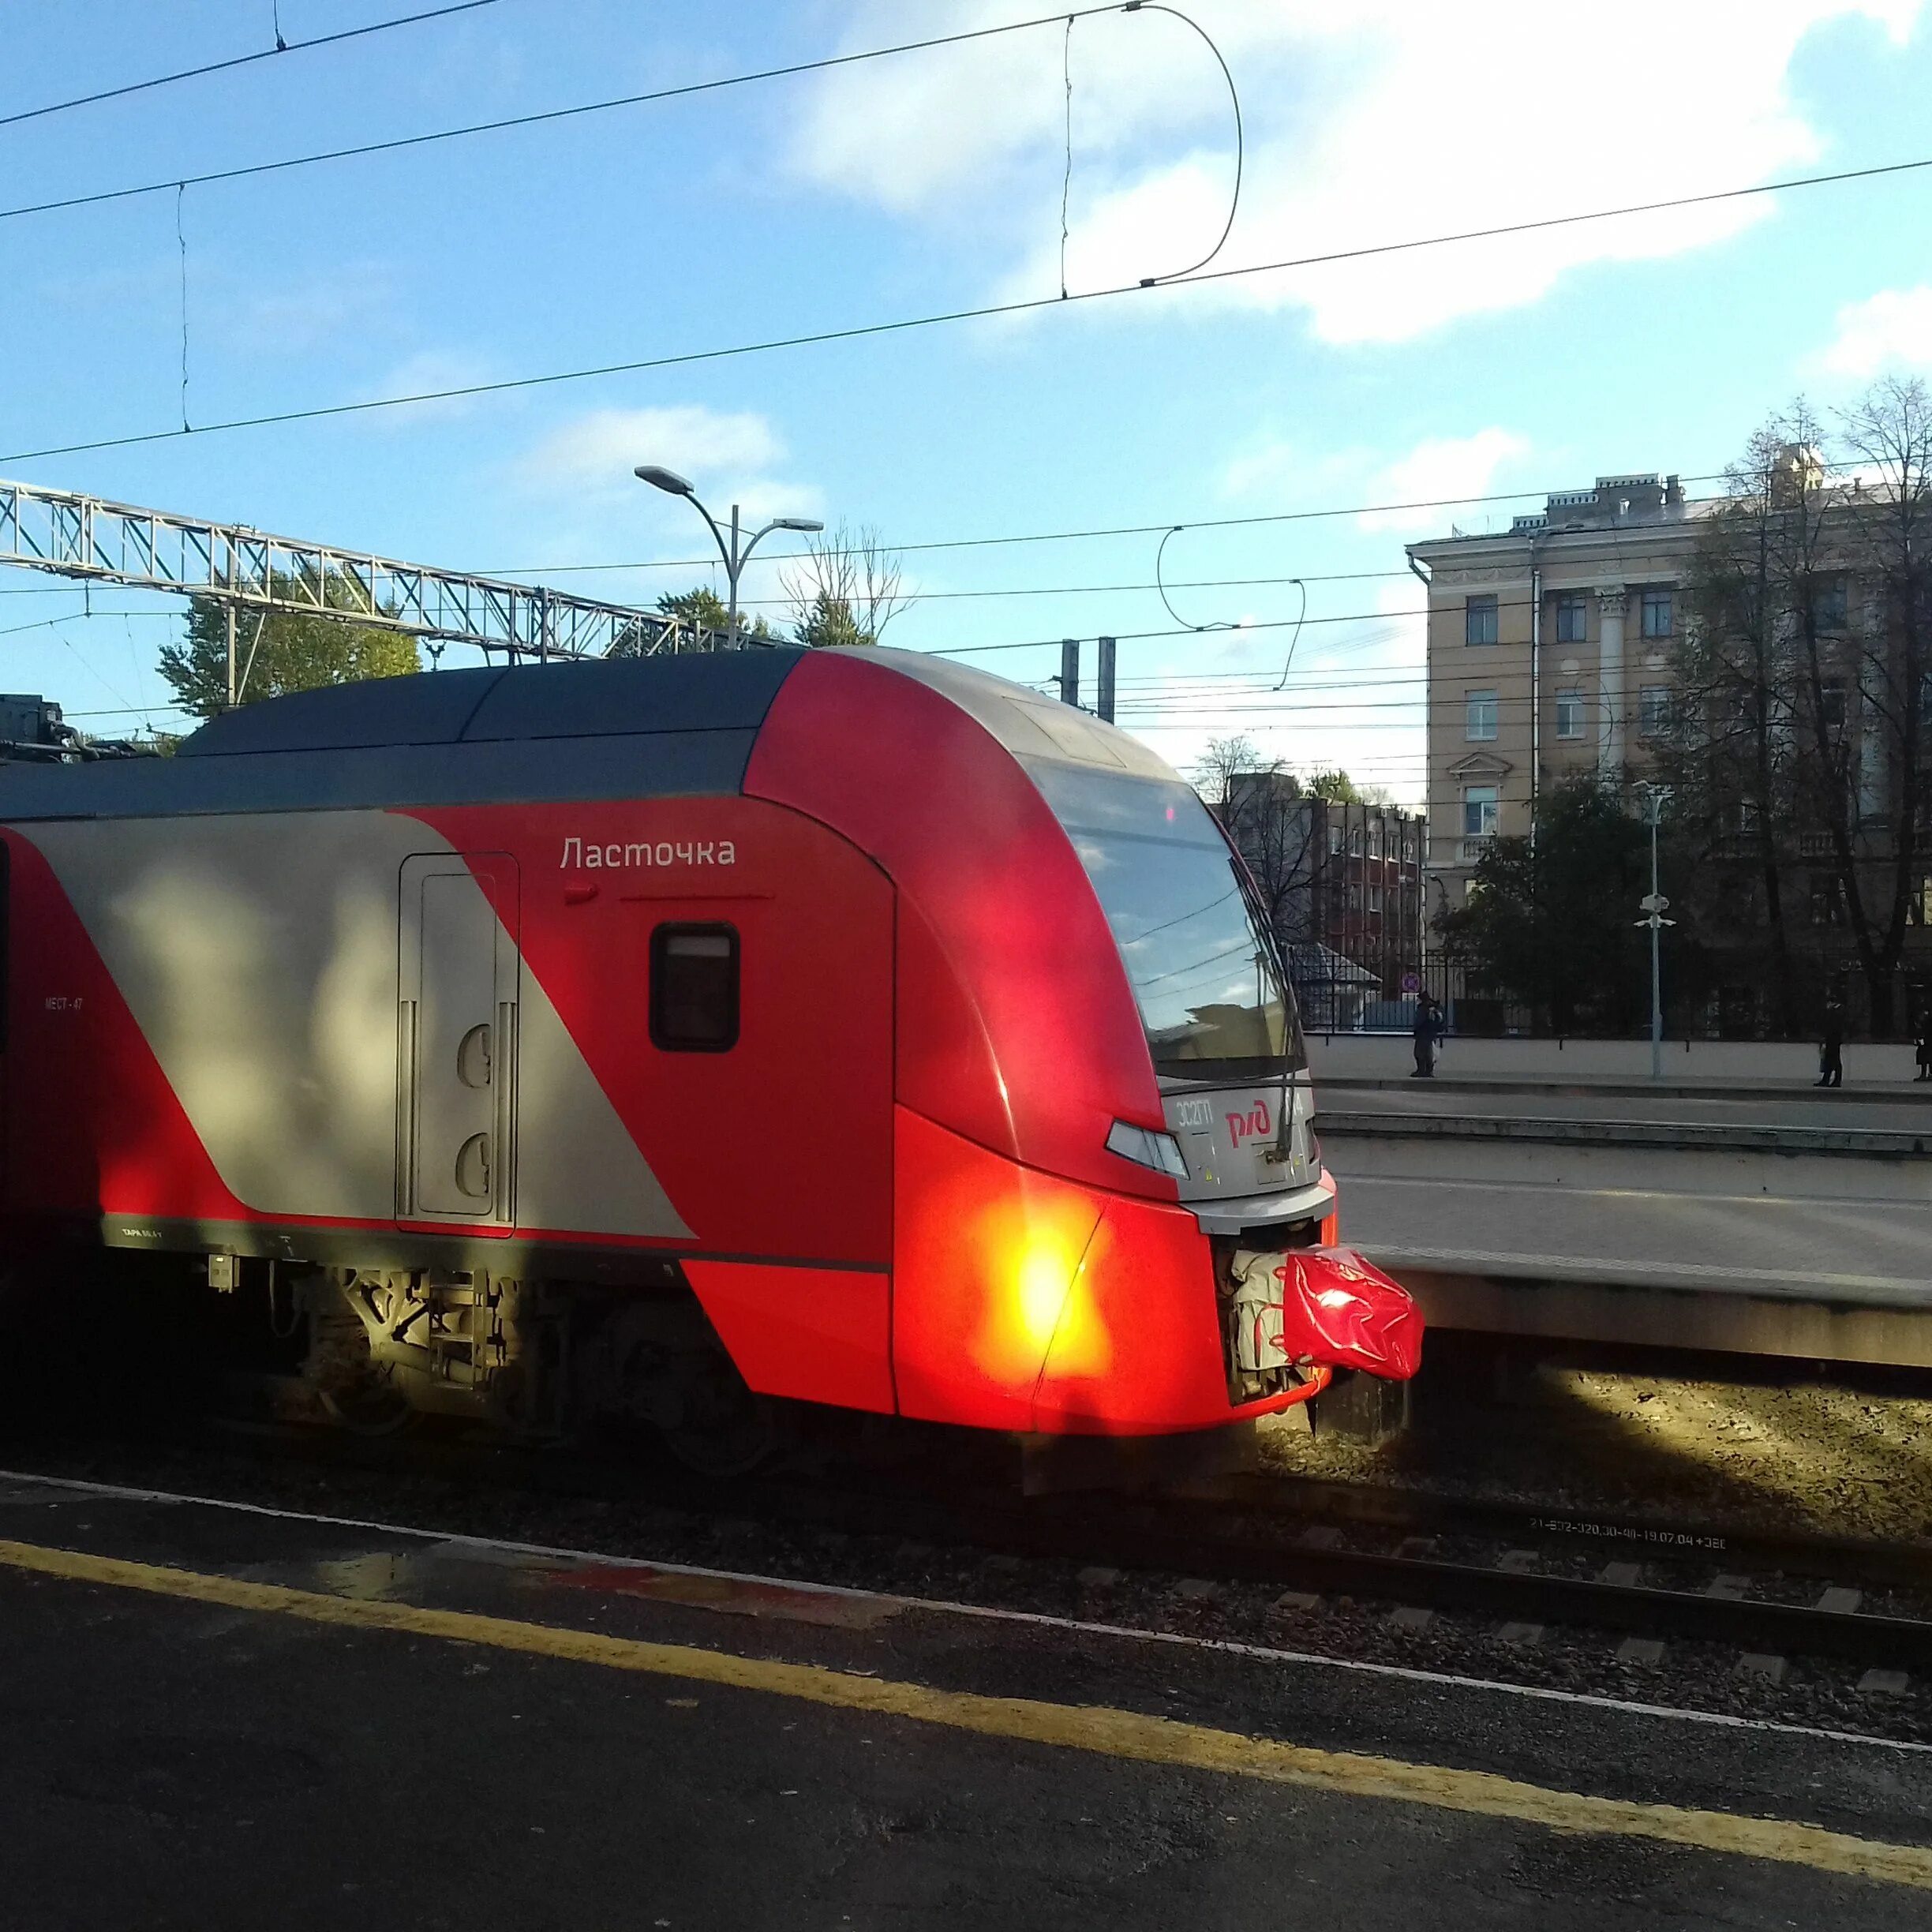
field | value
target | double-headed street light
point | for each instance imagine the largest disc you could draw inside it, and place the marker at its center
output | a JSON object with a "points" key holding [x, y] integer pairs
{"points": [[1654, 906], [735, 552]]}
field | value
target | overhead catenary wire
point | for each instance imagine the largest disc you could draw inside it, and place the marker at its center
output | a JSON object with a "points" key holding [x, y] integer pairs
{"points": [[1096, 533], [980, 311], [1240, 145], [1238, 630], [240, 60], [577, 111]]}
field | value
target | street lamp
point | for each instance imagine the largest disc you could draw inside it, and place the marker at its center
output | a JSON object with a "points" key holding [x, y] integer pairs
{"points": [[1655, 798], [735, 552]]}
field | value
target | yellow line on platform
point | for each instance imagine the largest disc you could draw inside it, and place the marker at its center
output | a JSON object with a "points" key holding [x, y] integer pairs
{"points": [[1086, 1728]]}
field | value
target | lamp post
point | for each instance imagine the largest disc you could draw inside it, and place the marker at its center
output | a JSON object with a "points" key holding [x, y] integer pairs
{"points": [[1655, 798], [735, 552]]}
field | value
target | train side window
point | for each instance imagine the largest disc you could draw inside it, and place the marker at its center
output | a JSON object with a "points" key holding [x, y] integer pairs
{"points": [[693, 988]]}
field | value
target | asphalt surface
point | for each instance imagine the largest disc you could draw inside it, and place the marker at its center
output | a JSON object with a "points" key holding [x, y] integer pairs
{"points": [[313, 1736]]}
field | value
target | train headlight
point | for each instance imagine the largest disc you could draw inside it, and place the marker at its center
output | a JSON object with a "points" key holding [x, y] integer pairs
{"points": [[1146, 1148]]}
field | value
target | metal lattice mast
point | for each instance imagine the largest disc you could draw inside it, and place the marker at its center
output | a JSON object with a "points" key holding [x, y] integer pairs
{"points": [[95, 541]]}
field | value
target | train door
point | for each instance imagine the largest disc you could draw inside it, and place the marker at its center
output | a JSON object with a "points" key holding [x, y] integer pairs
{"points": [[457, 1035]]}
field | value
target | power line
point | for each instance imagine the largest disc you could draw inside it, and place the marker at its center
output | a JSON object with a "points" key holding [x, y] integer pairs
{"points": [[240, 60], [577, 111], [982, 311], [1135, 637], [1094, 533], [1076, 536]]}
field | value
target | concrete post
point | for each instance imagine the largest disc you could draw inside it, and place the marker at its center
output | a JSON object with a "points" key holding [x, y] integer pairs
{"points": [[1610, 604]]}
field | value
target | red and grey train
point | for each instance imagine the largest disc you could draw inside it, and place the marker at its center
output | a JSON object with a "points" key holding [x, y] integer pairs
{"points": [[847, 1027]]}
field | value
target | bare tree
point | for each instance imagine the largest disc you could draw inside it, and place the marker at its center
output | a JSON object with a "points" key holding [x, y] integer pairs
{"points": [[1273, 826], [1221, 761], [1889, 431], [845, 588], [1732, 755], [1803, 689]]}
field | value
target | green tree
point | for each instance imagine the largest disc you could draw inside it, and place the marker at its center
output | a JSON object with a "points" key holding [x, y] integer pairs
{"points": [[280, 651], [1551, 921], [829, 620], [1337, 787], [701, 610]]}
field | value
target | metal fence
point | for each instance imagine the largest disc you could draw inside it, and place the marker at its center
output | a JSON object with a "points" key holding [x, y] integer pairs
{"points": [[1337, 995]]}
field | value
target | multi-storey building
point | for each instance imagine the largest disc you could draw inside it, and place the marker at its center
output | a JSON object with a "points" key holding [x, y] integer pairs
{"points": [[1549, 653], [1554, 649], [1343, 876]]}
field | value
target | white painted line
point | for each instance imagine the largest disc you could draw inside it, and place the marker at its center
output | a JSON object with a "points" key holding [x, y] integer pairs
{"points": [[1035, 1619]]}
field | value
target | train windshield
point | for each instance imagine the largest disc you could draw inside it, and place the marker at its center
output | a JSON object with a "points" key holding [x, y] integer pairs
{"points": [[1204, 972]]}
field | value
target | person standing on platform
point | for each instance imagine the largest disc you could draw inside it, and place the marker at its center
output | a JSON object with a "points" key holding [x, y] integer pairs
{"points": [[1428, 1031], [1830, 1048], [1925, 1046]]}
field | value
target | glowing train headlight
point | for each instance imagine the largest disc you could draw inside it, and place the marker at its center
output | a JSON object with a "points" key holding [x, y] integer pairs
{"points": [[1147, 1149]]}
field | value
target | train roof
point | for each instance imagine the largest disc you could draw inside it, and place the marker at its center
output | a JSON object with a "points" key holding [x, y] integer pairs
{"points": [[674, 725], [497, 704]]}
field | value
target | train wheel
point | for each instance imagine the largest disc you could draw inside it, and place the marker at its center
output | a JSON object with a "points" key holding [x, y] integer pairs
{"points": [[357, 1393], [721, 1429], [368, 1407]]}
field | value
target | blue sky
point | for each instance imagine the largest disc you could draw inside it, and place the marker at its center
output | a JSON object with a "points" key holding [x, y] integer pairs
{"points": [[928, 181]]}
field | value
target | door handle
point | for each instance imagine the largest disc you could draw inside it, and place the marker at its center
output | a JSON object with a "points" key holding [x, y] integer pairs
{"points": [[473, 1057], [473, 1167]]}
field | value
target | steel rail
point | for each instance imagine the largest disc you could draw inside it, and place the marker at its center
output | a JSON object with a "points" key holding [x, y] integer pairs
{"points": [[1170, 1537]]}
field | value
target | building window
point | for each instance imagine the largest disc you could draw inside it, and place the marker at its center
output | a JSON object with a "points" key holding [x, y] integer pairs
{"points": [[1918, 908], [1570, 714], [1354, 898], [1572, 617], [1334, 842], [1375, 898], [1481, 718], [1656, 613], [1479, 811], [1375, 841], [1826, 904], [1652, 709], [1831, 703], [693, 988], [1355, 842], [1479, 620], [1831, 602]]}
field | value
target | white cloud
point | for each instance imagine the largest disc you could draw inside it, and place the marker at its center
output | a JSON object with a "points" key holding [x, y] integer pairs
{"points": [[1436, 471], [1378, 121], [428, 372], [1890, 330], [353, 301], [733, 456]]}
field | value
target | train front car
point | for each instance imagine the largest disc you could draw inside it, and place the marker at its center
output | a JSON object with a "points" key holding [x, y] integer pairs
{"points": [[1110, 1212], [842, 1026]]}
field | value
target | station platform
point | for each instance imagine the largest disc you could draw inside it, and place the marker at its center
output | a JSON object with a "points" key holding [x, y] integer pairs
{"points": [[1870, 1067], [1764, 1221], [221, 1716]]}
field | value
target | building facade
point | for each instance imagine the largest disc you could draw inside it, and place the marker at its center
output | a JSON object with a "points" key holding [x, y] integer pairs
{"points": [[1558, 647], [1345, 877], [1550, 652]]}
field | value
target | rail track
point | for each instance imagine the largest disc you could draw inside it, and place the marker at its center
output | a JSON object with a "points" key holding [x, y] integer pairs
{"points": [[1526, 1568]]}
